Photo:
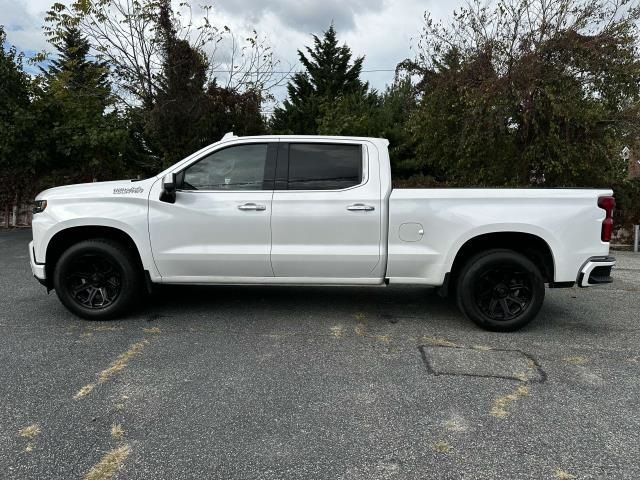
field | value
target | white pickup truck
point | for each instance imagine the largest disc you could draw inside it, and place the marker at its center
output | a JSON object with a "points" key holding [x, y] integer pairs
{"points": [[316, 210]]}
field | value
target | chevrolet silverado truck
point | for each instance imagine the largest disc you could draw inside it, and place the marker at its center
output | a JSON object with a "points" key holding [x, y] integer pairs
{"points": [[319, 210]]}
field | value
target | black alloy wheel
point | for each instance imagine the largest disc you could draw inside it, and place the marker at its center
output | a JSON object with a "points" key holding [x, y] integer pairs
{"points": [[500, 290], [503, 292], [98, 279], [94, 280]]}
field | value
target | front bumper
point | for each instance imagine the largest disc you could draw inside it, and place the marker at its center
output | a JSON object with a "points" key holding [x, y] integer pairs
{"points": [[596, 271], [36, 268]]}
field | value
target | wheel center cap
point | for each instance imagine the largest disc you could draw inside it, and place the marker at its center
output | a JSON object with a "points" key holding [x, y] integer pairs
{"points": [[501, 291]]}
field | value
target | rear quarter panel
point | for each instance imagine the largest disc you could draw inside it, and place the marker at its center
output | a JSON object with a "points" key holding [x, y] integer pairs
{"points": [[568, 220]]}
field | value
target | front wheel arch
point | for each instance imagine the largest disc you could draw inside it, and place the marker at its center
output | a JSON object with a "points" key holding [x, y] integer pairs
{"points": [[68, 237]]}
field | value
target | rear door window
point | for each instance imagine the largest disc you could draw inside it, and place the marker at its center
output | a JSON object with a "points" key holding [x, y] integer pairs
{"points": [[316, 166]]}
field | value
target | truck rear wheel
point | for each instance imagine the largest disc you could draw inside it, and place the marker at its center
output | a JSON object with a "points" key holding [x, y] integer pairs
{"points": [[500, 290], [97, 279]]}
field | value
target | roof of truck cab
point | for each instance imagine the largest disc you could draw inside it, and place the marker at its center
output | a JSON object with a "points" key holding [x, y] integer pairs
{"points": [[301, 137]]}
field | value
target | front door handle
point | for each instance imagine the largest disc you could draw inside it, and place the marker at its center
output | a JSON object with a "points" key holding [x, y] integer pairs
{"points": [[356, 207], [252, 206]]}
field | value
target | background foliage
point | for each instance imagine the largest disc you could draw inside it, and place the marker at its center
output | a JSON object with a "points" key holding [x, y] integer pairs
{"points": [[514, 93]]}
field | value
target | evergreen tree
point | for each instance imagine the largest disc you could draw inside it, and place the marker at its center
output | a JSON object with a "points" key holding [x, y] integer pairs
{"points": [[180, 100], [329, 76], [85, 134], [16, 155], [190, 112]]}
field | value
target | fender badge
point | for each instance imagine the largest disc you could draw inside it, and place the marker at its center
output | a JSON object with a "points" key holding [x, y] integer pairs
{"points": [[127, 190]]}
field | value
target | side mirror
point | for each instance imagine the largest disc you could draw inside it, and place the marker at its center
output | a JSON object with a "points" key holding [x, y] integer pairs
{"points": [[168, 193]]}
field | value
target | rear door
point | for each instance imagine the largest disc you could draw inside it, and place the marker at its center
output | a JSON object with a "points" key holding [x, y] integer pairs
{"points": [[326, 218]]}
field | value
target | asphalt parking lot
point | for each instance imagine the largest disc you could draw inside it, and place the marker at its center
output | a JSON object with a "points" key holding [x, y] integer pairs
{"points": [[314, 383]]}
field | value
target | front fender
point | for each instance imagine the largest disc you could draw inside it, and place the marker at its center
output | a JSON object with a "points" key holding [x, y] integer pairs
{"points": [[126, 214]]}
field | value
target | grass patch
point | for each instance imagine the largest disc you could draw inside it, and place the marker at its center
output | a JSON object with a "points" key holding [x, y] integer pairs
{"points": [[482, 348], [455, 425], [560, 474], [104, 328], [442, 447], [500, 405], [522, 376], [84, 391], [438, 341], [576, 360], [116, 367], [337, 331], [30, 432], [151, 330], [109, 465], [117, 432], [119, 363]]}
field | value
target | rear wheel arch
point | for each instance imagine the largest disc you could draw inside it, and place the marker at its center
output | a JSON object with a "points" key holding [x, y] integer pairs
{"points": [[531, 246]]}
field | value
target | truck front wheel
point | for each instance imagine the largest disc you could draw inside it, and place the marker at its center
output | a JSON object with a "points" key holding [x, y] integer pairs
{"points": [[500, 290], [97, 279]]}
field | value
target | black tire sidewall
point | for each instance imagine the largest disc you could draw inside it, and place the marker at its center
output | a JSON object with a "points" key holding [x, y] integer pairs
{"points": [[123, 261], [469, 278]]}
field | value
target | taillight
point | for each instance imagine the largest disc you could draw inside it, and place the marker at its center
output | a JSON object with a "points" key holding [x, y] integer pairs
{"points": [[607, 204]]}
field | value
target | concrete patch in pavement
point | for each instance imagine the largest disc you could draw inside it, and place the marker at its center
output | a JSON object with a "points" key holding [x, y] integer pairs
{"points": [[473, 362]]}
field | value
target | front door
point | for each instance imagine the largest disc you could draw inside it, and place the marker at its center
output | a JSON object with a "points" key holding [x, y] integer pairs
{"points": [[327, 212], [218, 229]]}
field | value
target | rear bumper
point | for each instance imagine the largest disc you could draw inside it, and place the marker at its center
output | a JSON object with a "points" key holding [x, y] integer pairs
{"points": [[36, 268], [596, 271]]}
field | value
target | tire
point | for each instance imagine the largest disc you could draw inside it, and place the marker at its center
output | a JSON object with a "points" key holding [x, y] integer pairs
{"points": [[500, 290], [97, 279]]}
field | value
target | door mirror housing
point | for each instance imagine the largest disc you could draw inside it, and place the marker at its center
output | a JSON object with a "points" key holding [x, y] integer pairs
{"points": [[168, 193]]}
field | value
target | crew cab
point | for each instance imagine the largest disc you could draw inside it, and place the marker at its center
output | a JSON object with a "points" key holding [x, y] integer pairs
{"points": [[316, 210]]}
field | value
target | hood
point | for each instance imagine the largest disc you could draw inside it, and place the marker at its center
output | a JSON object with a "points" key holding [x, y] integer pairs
{"points": [[135, 188]]}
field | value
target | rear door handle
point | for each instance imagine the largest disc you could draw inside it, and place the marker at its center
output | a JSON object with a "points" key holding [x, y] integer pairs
{"points": [[252, 206], [356, 207]]}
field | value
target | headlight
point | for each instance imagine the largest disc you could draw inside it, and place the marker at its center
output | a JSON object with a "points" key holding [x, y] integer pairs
{"points": [[39, 206]]}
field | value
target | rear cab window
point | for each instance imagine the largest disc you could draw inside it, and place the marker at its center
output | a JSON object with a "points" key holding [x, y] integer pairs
{"points": [[322, 166]]}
